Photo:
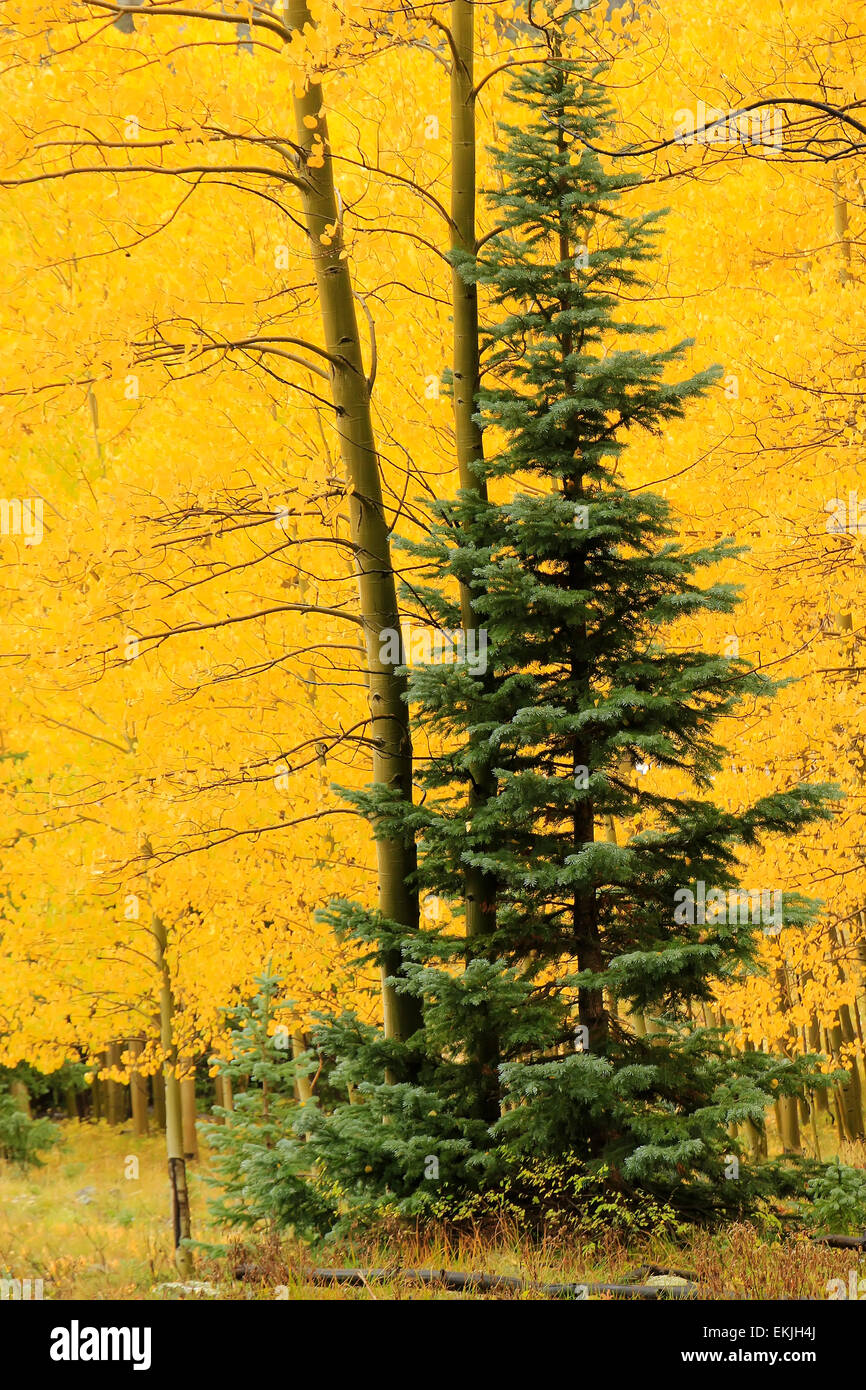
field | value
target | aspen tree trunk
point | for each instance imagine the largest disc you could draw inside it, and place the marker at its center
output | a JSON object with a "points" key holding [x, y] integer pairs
{"points": [[813, 1122], [849, 1095], [180, 1216], [789, 1125], [788, 1112], [187, 1107], [819, 1096], [116, 1106], [137, 1089], [303, 1088], [157, 1087], [157, 1082], [843, 1034], [228, 1093], [839, 1112], [754, 1135], [389, 714], [838, 1097], [849, 951], [763, 1145], [854, 1089], [479, 888]]}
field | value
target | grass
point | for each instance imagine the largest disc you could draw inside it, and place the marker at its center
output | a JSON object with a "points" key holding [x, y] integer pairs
{"points": [[734, 1262], [93, 1224], [83, 1223]]}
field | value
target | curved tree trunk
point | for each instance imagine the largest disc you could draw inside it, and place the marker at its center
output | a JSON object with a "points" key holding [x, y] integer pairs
{"points": [[389, 714]]}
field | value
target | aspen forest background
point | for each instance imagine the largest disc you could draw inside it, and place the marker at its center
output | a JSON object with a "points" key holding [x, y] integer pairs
{"points": [[260, 322]]}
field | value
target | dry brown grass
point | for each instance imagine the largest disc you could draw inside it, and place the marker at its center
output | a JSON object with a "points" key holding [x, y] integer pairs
{"points": [[117, 1243]]}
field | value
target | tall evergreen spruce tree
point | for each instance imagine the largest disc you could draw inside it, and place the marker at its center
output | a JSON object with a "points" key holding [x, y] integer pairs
{"points": [[533, 1048]]}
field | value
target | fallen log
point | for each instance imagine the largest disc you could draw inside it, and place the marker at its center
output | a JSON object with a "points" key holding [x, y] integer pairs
{"points": [[457, 1280], [842, 1242]]}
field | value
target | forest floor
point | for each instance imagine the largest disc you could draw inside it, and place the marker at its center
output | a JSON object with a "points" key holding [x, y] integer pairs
{"points": [[93, 1223]]}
